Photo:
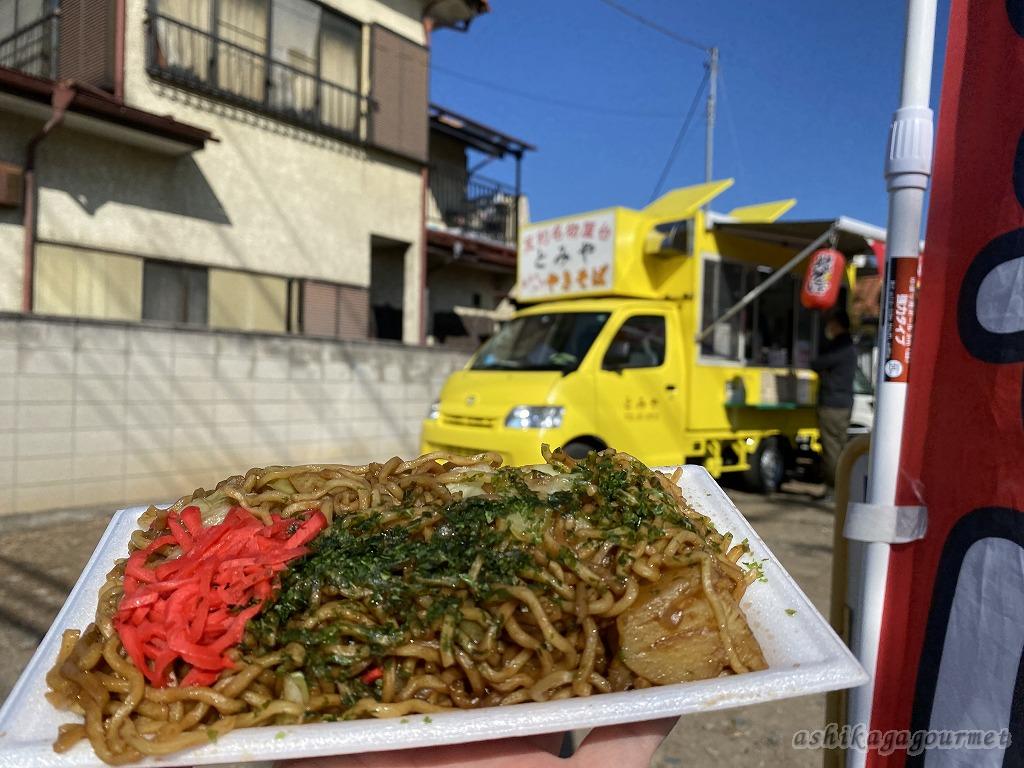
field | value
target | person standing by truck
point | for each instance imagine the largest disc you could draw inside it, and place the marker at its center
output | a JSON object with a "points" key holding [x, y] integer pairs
{"points": [[836, 366]]}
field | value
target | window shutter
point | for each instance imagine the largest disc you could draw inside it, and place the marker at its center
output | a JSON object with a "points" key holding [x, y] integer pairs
{"points": [[339, 311], [319, 308], [86, 43], [399, 70], [353, 312]]}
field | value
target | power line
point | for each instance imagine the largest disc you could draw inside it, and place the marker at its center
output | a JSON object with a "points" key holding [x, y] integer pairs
{"points": [[710, 75], [656, 26], [726, 104], [578, 106], [679, 137]]}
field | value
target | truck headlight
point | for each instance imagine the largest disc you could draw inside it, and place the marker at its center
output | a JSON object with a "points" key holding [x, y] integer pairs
{"points": [[535, 417], [435, 411]]}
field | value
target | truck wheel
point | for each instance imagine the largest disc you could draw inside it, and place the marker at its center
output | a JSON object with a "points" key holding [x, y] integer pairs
{"points": [[767, 468], [577, 449]]}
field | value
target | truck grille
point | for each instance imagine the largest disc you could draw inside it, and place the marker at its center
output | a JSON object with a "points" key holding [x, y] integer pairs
{"points": [[480, 422]]}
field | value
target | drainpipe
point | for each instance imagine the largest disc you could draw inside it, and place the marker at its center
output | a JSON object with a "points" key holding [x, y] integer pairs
{"points": [[63, 93], [119, 29]]}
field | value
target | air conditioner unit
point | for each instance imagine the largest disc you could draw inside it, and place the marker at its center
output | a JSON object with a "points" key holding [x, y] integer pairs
{"points": [[10, 185]]}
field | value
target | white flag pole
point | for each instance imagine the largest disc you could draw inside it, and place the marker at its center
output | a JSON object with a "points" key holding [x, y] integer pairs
{"points": [[908, 167]]}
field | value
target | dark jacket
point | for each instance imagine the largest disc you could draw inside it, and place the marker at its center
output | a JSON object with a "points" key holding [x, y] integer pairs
{"points": [[836, 365]]}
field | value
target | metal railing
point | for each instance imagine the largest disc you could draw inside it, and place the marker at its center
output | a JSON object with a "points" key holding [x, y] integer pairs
{"points": [[193, 58], [33, 48], [473, 204]]}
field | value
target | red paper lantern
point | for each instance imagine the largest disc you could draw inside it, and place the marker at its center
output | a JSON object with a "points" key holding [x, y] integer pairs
{"points": [[823, 279]]}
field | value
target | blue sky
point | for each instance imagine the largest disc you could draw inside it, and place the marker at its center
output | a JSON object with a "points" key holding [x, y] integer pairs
{"points": [[807, 91]]}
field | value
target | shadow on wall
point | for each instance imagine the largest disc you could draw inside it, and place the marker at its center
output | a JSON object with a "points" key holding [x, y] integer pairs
{"points": [[94, 172]]}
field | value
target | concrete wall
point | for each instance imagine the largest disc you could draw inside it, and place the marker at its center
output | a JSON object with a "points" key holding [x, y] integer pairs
{"points": [[106, 414]]}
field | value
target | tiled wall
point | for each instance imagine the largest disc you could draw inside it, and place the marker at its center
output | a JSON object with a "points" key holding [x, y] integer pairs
{"points": [[97, 414]]}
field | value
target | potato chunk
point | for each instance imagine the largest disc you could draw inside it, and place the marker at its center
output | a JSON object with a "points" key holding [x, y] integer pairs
{"points": [[670, 634]]}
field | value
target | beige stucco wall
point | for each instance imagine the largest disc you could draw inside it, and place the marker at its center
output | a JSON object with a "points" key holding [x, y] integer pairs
{"points": [[401, 16]]}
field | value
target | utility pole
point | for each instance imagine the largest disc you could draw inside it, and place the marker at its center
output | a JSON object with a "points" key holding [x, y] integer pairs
{"points": [[709, 142]]}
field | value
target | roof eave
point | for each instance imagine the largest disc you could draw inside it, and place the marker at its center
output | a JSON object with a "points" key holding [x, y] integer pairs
{"points": [[92, 103], [476, 134]]}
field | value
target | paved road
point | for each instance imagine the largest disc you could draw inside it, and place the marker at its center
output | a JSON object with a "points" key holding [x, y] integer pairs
{"points": [[39, 565]]}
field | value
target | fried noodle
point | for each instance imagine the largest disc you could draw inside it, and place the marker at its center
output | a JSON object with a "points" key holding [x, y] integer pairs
{"points": [[446, 582]]}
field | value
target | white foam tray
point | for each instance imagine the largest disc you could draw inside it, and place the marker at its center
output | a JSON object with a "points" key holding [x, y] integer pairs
{"points": [[804, 656]]}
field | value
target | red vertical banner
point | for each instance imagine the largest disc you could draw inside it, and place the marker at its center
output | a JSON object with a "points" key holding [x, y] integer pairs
{"points": [[950, 656]]}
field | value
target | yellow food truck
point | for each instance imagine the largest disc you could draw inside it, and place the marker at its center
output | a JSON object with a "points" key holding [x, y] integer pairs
{"points": [[672, 333]]}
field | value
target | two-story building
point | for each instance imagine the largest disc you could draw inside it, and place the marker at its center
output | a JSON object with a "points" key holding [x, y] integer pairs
{"points": [[233, 164]]}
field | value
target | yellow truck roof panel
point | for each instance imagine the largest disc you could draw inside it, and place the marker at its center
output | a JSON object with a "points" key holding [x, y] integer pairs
{"points": [[762, 212], [684, 202]]}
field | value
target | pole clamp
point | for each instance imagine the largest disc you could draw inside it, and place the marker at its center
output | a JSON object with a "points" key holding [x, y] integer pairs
{"points": [[885, 523], [908, 162]]}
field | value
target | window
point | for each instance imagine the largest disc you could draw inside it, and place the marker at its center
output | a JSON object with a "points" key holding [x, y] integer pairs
{"points": [[773, 314], [725, 283], [401, 70], [557, 341], [174, 293], [83, 283], [248, 302], [293, 58], [338, 311], [806, 333], [639, 343], [241, 45], [27, 31], [774, 330], [340, 51], [18, 14]]}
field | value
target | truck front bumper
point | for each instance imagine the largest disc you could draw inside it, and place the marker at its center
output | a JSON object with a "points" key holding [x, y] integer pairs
{"points": [[516, 446]]}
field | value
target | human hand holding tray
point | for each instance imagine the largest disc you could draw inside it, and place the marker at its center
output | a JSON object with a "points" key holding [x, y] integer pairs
{"points": [[803, 656]]}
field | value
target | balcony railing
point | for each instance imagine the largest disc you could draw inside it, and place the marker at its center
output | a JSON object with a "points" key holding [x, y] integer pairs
{"points": [[33, 48], [473, 205], [193, 58]]}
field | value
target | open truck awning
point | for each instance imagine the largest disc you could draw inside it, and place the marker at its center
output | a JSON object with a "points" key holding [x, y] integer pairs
{"points": [[853, 237], [850, 236]]}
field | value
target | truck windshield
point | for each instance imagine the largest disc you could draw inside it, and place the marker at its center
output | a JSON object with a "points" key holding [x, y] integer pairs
{"points": [[557, 341]]}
